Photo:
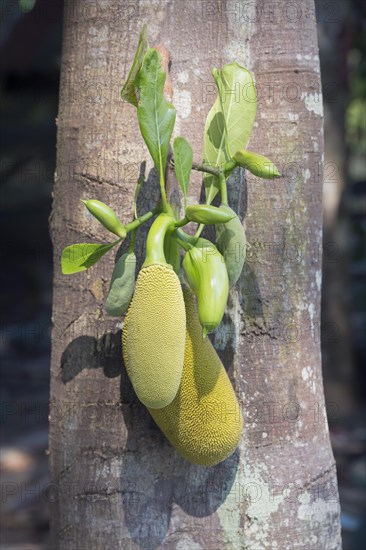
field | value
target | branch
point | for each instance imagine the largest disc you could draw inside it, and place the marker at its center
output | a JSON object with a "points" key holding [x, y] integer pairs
{"points": [[203, 168]]}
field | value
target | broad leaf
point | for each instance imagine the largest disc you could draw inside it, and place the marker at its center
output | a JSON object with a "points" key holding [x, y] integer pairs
{"points": [[156, 116], [238, 103], [183, 158], [122, 285], [128, 92], [79, 257], [230, 120]]}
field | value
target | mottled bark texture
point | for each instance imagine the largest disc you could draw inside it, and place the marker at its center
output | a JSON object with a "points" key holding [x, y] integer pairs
{"points": [[118, 483]]}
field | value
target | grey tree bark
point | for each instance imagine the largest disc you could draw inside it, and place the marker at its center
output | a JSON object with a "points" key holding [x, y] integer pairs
{"points": [[117, 482]]}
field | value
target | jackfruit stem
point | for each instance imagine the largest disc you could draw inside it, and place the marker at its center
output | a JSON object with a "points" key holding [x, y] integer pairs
{"points": [[183, 236], [155, 241], [182, 222], [203, 168], [186, 246], [223, 188], [132, 244], [199, 230], [209, 199], [142, 219]]}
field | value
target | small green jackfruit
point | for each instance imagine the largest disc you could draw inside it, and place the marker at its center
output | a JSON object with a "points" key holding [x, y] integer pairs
{"points": [[154, 342], [203, 422], [106, 216], [257, 164], [231, 242], [207, 276], [207, 214]]}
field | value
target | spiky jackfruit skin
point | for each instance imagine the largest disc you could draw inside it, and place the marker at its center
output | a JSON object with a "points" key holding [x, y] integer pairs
{"points": [[153, 345], [204, 421]]}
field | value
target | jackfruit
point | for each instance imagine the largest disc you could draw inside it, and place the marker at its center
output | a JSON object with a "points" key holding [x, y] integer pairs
{"points": [[207, 276], [106, 216], [257, 164], [154, 342], [203, 422], [207, 214]]}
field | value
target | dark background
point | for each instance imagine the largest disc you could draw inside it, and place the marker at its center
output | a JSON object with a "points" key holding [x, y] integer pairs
{"points": [[31, 35]]}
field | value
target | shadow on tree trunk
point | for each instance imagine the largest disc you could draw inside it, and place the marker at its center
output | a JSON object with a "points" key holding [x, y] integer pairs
{"points": [[152, 480]]}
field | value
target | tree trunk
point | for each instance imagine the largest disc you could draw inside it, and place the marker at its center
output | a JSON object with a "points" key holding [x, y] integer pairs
{"points": [[117, 483]]}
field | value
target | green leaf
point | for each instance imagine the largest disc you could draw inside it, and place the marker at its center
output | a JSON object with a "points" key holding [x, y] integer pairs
{"points": [[229, 122], [79, 257], [128, 92], [257, 164], [183, 158], [156, 116], [122, 285], [238, 103], [207, 214]]}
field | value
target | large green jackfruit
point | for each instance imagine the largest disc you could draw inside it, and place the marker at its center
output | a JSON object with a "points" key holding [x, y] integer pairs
{"points": [[203, 422], [154, 342]]}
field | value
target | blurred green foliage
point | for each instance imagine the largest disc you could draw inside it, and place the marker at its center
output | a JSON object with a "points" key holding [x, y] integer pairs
{"points": [[27, 5]]}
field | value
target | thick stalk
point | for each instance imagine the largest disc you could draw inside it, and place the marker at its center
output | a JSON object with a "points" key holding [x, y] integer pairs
{"points": [[155, 240]]}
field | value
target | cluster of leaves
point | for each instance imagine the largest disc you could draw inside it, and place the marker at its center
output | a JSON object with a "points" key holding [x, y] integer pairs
{"points": [[227, 130]]}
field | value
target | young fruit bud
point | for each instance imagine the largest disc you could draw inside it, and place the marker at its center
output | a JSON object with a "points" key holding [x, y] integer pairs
{"points": [[207, 214], [257, 164], [207, 276], [122, 284], [106, 216], [231, 243]]}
